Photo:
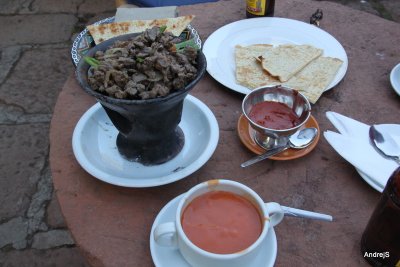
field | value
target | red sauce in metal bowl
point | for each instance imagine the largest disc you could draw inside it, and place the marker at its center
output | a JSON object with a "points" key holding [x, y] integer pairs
{"points": [[221, 222], [274, 115]]}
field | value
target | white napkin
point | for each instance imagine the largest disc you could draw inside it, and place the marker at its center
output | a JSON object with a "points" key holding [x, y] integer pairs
{"points": [[354, 146]]}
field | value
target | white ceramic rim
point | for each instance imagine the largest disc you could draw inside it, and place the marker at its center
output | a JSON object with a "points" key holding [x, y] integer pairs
{"points": [[212, 183], [395, 81], [86, 164]]}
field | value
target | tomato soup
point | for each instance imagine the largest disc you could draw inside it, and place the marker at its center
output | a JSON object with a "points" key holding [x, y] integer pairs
{"points": [[274, 115], [221, 222]]}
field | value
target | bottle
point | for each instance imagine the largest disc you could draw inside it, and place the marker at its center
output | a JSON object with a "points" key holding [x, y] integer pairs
{"points": [[260, 8], [380, 242]]}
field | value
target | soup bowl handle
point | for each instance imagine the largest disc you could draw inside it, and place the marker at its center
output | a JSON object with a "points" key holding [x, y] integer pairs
{"points": [[275, 212], [165, 235]]}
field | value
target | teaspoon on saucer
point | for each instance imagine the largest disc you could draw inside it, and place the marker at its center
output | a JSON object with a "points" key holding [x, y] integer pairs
{"points": [[298, 140], [306, 214]]}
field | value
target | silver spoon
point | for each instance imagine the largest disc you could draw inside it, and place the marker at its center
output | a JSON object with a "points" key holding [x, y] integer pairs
{"points": [[384, 144], [306, 214], [298, 140]]}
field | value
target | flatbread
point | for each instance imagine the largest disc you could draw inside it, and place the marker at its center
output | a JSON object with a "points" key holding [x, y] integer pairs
{"points": [[104, 32], [249, 72], [315, 77], [311, 80], [284, 61]]}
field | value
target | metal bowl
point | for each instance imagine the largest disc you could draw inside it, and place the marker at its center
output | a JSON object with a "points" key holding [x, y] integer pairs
{"points": [[268, 137], [84, 41], [82, 73]]}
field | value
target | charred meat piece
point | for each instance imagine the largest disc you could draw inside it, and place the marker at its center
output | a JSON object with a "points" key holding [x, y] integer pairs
{"points": [[144, 67]]}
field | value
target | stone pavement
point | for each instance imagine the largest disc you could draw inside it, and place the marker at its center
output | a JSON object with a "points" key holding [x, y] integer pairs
{"points": [[34, 64]]}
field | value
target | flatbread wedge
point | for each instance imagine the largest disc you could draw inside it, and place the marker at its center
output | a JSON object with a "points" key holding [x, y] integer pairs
{"points": [[104, 32], [315, 77], [284, 61], [249, 72]]}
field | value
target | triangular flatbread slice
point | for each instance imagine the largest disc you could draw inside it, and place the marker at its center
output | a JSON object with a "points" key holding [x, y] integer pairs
{"points": [[104, 32], [315, 77], [249, 72], [284, 61]]}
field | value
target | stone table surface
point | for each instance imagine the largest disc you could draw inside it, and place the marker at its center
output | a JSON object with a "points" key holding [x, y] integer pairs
{"points": [[111, 224]]}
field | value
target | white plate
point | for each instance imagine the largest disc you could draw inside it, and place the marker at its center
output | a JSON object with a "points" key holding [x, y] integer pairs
{"points": [[219, 47], [395, 78], [167, 257], [380, 185], [375, 185], [93, 143]]}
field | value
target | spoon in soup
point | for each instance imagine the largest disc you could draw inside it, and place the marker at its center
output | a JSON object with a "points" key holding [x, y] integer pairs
{"points": [[298, 140]]}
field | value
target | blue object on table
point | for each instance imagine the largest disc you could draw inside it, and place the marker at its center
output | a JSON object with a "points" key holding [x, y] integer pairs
{"points": [[155, 3]]}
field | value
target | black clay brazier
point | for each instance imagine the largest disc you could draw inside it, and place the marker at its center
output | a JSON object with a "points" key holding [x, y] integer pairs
{"points": [[148, 129]]}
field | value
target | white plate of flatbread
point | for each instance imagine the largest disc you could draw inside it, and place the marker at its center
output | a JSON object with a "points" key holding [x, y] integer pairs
{"points": [[221, 49]]}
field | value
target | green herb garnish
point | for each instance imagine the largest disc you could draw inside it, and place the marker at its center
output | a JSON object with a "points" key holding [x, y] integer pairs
{"points": [[181, 46], [163, 28], [92, 61]]}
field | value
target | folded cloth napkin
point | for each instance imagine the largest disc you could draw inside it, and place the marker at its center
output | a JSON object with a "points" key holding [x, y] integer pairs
{"points": [[353, 144]]}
